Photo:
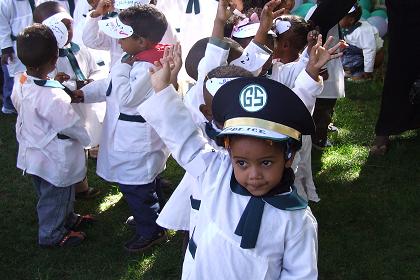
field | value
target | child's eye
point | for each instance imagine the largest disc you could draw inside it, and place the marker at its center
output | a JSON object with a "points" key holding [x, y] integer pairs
{"points": [[241, 163], [267, 162]]}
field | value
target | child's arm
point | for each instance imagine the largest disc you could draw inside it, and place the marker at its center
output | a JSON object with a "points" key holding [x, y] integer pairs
{"points": [[301, 250], [92, 37], [217, 50], [257, 53], [172, 121], [93, 92], [176, 54], [309, 84], [267, 17]]}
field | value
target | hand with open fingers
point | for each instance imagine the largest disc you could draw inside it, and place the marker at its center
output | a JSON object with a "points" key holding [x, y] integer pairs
{"points": [[160, 74], [268, 14], [224, 10], [321, 54], [61, 77], [103, 7], [177, 58]]}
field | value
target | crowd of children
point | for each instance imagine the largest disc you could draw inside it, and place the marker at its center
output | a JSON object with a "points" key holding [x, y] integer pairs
{"points": [[243, 130]]}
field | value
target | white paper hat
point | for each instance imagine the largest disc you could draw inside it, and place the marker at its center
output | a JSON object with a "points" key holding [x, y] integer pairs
{"points": [[213, 84], [282, 26], [124, 4], [56, 25], [246, 31], [113, 27]]}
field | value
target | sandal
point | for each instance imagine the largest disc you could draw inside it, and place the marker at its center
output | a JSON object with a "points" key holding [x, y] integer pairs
{"points": [[83, 220], [89, 193], [380, 147], [72, 239]]}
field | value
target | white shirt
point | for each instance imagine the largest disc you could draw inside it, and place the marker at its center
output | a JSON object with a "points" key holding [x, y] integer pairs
{"points": [[42, 113], [366, 37]]}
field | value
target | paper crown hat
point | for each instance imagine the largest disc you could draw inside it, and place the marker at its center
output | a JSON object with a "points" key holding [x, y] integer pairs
{"points": [[124, 4], [56, 25], [261, 108]]}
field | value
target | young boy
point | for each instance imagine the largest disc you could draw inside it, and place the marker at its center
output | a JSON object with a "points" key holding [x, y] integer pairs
{"points": [[93, 36], [249, 211], [75, 67], [51, 138], [365, 45], [130, 152]]}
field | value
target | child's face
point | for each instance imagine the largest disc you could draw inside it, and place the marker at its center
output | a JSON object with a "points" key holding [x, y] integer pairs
{"points": [[258, 165], [131, 45], [346, 22]]}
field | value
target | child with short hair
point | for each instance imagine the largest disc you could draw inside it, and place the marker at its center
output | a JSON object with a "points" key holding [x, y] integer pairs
{"points": [[75, 67], [131, 154], [95, 38], [51, 139], [269, 231], [365, 45]]}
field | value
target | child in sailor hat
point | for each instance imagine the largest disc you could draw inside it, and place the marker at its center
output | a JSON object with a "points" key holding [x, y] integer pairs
{"points": [[247, 186], [249, 210]]}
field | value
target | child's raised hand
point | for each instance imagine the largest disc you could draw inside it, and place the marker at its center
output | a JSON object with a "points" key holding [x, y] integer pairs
{"points": [[177, 58], [224, 10], [268, 15], [160, 74], [61, 77], [103, 7], [320, 55]]}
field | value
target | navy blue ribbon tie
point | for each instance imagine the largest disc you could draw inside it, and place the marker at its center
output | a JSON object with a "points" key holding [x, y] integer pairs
{"points": [[191, 4], [69, 53], [250, 222], [109, 89], [210, 131]]}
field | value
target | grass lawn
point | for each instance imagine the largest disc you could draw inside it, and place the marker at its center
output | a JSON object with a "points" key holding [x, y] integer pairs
{"points": [[369, 225]]}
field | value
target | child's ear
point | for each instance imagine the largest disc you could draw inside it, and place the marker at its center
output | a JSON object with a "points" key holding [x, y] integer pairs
{"points": [[289, 162]]}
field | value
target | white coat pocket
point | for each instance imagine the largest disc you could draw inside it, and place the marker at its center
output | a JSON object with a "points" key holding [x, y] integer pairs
{"points": [[131, 136]]}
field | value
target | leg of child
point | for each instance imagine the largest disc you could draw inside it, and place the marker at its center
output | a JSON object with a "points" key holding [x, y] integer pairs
{"points": [[144, 205], [54, 206], [324, 109]]}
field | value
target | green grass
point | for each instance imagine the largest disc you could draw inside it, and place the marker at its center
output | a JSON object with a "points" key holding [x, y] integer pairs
{"points": [[369, 225]]}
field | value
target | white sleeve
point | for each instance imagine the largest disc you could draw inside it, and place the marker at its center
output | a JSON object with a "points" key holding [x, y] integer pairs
{"points": [[253, 58], [5, 28], [367, 43], [95, 72], [131, 84], [216, 54], [308, 89], [95, 91], [301, 254], [94, 38], [288, 73], [172, 121]]}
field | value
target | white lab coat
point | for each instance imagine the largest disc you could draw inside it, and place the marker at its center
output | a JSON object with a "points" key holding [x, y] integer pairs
{"points": [[42, 113], [130, 153]]}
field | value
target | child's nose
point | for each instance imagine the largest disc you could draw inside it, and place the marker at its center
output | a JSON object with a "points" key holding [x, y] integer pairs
{"points": [[255, 173]]}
